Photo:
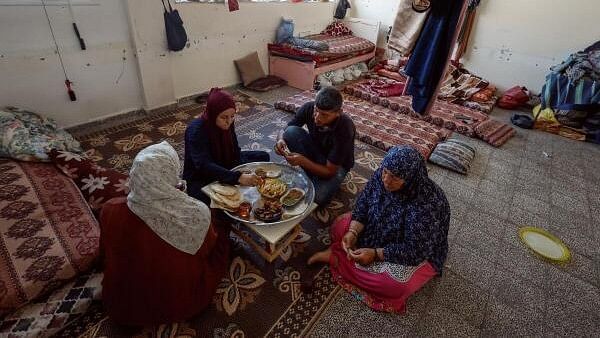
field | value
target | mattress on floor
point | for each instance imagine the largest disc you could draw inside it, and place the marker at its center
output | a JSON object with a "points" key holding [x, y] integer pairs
{"points": [[340, 48], [443, 114], [380, 126]]}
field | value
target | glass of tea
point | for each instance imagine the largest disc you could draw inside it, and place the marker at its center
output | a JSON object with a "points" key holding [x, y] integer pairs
{"points": [[244, 210]]}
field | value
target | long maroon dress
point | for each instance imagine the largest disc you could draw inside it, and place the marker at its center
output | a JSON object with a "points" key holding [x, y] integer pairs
{"points": [[146, 280]]}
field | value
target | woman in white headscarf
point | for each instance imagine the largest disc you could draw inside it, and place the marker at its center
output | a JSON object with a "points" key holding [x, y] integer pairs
{"points": [[163, 257]]}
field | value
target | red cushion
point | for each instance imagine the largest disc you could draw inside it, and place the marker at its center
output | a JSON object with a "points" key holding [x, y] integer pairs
{"points": [[97, 184], [337, 29]]}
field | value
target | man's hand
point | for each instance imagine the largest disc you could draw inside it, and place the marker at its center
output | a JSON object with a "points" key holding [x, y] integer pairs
{"points": [[248, 180], [296, 159], [281, 148], [363, 256]]}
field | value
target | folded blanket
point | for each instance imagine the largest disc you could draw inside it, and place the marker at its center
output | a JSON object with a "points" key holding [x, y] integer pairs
{"points": [[406, 28], [460, 84], [389, 89], [494, 132], [27, 136]]}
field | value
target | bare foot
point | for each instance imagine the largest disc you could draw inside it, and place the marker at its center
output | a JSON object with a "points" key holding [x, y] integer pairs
{"points": [[320, 257]]}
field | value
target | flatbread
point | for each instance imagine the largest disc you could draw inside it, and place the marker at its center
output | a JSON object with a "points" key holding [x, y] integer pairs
{"points": [[231, 202], [225, 190]]}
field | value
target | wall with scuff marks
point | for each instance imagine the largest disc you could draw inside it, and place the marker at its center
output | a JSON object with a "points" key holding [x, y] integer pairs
{"points": [[515, 41], [105, 75], [216, 38], [382, 10], [127, 65]]}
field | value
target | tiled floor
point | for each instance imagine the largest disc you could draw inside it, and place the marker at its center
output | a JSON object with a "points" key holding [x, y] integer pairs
{"points": [[492, 286]]}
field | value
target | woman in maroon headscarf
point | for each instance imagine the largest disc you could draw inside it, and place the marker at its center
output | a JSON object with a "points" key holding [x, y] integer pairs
{"points": [[211, 148]]}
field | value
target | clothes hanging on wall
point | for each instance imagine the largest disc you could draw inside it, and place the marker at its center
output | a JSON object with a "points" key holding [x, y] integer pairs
{"points": [[233, 5], [465, 31], [430, 54], [406, 28], [340, 10]]}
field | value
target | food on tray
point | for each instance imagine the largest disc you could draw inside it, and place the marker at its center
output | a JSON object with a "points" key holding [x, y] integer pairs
{"points": [[260, 172], [225, 190], [292, 197], [270, 211], [226, 196], [273, 173], [272, 188]]}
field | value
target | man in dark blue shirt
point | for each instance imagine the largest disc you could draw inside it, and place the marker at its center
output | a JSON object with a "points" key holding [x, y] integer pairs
{"points": [[326, 151]]}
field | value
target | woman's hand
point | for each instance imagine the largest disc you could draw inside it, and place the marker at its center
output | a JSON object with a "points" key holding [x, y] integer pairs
{"points": [[363, 256], [248, 179], [348, 242]]}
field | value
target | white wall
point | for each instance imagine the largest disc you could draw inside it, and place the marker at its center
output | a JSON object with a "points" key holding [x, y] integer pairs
{"points": [[216, 38], [30, 73], [514, 41], [382, 10], [31, 77]]}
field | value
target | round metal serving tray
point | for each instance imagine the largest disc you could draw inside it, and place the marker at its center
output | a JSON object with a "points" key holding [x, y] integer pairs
{"points": [[292, 177]]}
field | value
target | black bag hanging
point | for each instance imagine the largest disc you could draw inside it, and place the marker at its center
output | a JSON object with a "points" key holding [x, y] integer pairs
{"points": [[176, 36]]}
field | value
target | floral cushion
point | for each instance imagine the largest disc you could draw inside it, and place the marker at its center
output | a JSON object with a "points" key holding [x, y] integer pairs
{"points": [[337, 28], [27, 136], [97, 184], [48, 235]]}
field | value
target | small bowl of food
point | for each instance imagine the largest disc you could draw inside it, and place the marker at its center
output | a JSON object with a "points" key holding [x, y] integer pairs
{"points": [[292, 197], [273, 173], [260, 172], [268, 211]]}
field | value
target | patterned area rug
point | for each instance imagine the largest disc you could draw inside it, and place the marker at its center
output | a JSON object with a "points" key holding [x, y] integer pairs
{"points": [[380, 126], [256, 298]]}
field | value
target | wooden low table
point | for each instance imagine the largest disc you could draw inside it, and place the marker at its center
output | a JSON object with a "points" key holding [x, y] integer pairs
{"points": [[276, 237]]}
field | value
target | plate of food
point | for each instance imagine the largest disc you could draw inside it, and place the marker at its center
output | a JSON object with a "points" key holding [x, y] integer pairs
{"points": [[277, 180], [268, 211], [292, 197]]}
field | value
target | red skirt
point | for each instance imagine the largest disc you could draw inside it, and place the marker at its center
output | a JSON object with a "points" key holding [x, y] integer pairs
{"points": [[382, 286], [146, 280]]}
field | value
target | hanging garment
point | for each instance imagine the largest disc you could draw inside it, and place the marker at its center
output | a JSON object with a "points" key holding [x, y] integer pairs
{"points": [[465, 31], [340, 10], [428, 60], [233, 5], [406, 28]]}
